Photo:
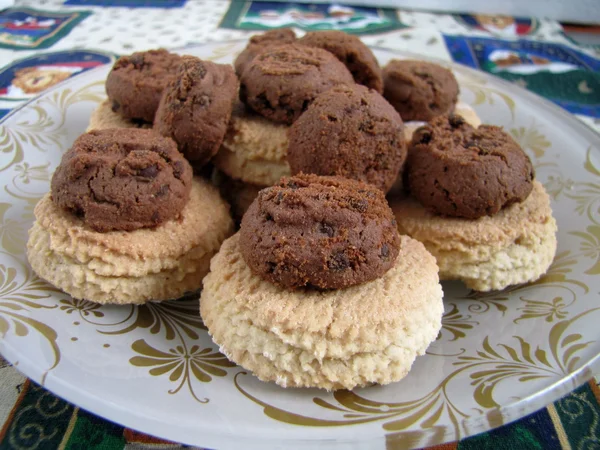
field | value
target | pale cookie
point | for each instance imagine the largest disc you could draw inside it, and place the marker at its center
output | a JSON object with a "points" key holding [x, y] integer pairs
{"points": [[333, 339], [516, 245], [254, 149], [130, 266], [104, 117]]}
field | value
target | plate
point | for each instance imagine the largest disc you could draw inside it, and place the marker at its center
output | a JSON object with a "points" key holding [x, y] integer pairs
{"points": [[154, 368]]}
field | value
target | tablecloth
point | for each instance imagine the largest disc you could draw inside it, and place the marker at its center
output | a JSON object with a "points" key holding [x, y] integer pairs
{"points": [[46, 41]]}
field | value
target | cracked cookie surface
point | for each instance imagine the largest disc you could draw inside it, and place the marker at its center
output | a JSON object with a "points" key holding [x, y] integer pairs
{"points": [[122, 179], [196, 107], [456, 170], [350, 131], [419, 90], [350, 50], [136, 82], [323, 232], [281, 82]]}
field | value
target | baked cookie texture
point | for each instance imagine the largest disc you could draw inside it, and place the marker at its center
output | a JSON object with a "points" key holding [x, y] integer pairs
{"points": [[103, 117], [137, 266], [461, 109], [136, 82], [459, 171], [238, 194], [196, 107], [122, 179], [516, 245], [349, 131], [333, 339], [281, 82], [318, 231], [419, 90], [259, 42], [350, 50], [254, 149]]}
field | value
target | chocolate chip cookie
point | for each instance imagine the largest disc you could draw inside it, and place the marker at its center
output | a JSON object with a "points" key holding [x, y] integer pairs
{"points": [[419, 90], [122, 179], [456, 170], [259, 42], [196, 107], [281, 82], [136, 82], [351, 51], [323, 232], [350, 131]]}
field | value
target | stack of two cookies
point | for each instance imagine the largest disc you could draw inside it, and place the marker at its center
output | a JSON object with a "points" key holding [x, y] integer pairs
{"points": [[305, 246], [126, 221]]}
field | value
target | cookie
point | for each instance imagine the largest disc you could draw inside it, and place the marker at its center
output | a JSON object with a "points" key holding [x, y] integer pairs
{"points": [[254, 149], [461, 109], [238, 194], [351, 51], [196, 107], [259, 42], [516, 245], [135, 84], [158, 263], [104, 117], [280, 82], [456, 170], [334, 339], [324, 232], [350, 131], [122, 179], [419, 90]]}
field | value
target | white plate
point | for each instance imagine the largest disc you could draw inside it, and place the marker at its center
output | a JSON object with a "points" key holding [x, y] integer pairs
{"points": [[154, 368]]}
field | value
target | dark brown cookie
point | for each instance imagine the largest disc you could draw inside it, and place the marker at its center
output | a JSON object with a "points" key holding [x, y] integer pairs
{"points": [[323, 232], [457, 170], [281, 82], [136, 82], [196, 107], [122, 179], [351, 51], [349, 131], [259, 42], [419, 90]]}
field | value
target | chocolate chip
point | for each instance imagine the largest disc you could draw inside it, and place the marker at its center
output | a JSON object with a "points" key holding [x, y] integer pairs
{"points": [[385, 250], [359, 205], [326, 229], [137, 60], [338, 261], [163, 190], [178, 168], [423, 135], [456, 121], [149, 172]]}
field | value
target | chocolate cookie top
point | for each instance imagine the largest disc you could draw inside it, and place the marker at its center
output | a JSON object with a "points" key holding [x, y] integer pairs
{"points": [[280, 82], [419, 90], [259, 42], [457, 170], [136, 82], [196, 107], [122, 179], [349, 131], [351, 51], [323, 232]]}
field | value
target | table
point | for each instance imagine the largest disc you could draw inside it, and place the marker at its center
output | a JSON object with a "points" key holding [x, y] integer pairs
{"points": [[71, 36]]}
